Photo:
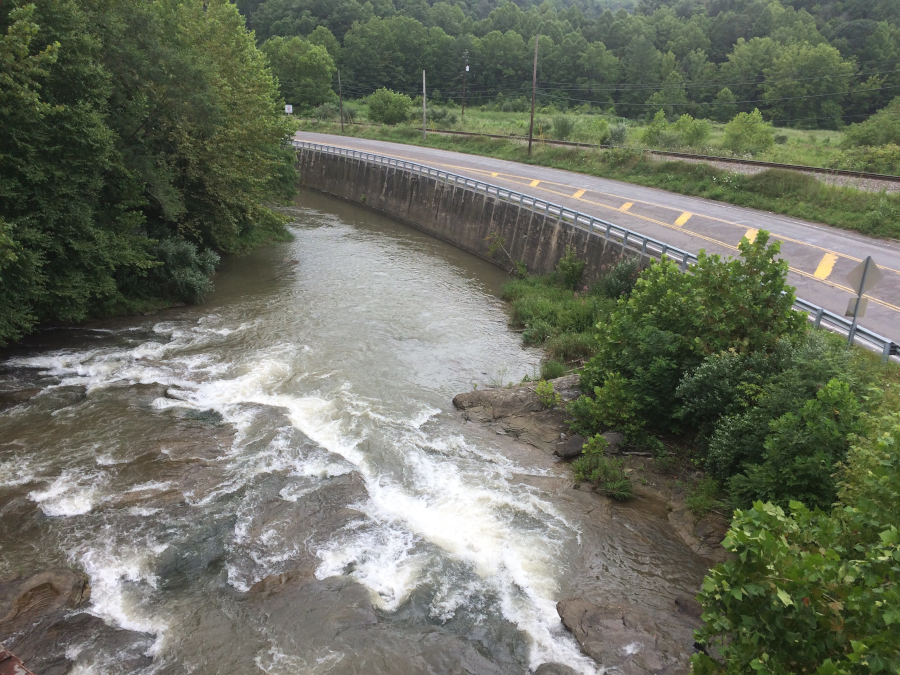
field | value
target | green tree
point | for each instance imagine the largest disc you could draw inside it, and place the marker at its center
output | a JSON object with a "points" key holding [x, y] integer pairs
{"points": [[304, 71], [806, 85], [723, 108]]}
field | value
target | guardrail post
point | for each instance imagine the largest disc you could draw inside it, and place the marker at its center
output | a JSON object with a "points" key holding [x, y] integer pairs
{"points": [[886, 352], [819, 314]]}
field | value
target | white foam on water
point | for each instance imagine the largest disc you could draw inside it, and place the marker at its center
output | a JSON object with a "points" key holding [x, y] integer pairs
{"points": [[121, 579], [383, 560], [449, 494], [18, 471], [70, 494]]}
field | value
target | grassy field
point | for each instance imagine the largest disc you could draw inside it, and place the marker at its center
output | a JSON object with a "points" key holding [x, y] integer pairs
{"points": [[779, 191], [793, 146]]}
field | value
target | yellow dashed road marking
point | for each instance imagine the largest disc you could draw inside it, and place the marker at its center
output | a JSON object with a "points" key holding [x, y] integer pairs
{"points": [[683, 218], [626, 206], [751, 234], [578, 194], [494, 175], [534, 183], [825, 266]]}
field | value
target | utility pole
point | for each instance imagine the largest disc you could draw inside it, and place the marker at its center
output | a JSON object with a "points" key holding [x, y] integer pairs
{"points": [[465, 72], [537, 39], [341, 97], [423, 106]]}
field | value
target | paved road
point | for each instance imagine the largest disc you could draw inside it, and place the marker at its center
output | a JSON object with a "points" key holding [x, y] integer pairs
{"points": [[819, 256]]}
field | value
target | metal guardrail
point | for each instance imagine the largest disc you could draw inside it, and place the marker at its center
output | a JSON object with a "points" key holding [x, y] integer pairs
{"points": [[820, 317]]}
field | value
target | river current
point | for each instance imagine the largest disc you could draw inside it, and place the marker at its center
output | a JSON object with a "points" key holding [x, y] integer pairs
{"points": [[299, 423]]}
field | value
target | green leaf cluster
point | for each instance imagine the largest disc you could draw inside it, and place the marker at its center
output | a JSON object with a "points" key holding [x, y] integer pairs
{"points": [[814, 591]]}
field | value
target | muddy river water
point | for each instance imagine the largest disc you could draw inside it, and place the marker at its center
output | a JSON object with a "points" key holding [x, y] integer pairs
{"points": [[276, 480]]}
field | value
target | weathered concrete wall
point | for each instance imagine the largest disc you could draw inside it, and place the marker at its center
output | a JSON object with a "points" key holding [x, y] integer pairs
{"points": [[460, 216]]}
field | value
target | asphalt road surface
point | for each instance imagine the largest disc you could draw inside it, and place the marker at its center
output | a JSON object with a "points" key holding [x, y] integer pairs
{"points": [[820, 256]]}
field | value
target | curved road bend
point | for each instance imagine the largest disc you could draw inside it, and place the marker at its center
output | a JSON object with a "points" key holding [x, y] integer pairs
{"points": [[820, 256]]}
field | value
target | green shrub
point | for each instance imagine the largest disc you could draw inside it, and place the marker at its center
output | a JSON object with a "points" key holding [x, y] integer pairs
{"points": [[388, 107], [813, 591], [617, 134], [552, 369], [882, 159], [734, 399], [686, 131], [184, 274], [537, 333], [611, 407], [747, 133], [882, 128], [563, 127], [547, 395], [618, 280], [600, 131], [802, 450], [693, 133], [570, 269], [606, 475], [703, 497], [672, 321]]}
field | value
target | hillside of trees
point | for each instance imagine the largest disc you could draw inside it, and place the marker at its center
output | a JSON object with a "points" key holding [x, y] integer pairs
{"points": [[802, 63], [139, 139]]}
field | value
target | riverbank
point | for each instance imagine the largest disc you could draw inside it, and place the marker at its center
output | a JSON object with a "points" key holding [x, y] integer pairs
{"points": [[773, 190]]}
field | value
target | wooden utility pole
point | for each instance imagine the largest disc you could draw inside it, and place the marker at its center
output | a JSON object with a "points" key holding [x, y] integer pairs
{"points": [[341, 97], [423, 105], [537, 39]]}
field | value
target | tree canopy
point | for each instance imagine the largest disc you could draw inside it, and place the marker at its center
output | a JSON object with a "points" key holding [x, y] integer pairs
{"points": [[126, 124], [801, 63]]}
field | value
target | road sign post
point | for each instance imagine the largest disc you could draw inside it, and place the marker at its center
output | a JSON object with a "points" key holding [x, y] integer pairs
{"points": [[863, 277]]}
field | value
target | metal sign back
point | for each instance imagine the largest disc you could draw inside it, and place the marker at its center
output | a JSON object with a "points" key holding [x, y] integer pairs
{"points": [[872, 277]]}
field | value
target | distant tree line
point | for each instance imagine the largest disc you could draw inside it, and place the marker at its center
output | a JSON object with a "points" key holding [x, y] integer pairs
{"points": [[801, 63], [139, 139]]}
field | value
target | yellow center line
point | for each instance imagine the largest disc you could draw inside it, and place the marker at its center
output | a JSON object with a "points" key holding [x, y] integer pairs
{"points": [[628, 205], [683, 218], [578, 194], [823, 271], [751, 234]]}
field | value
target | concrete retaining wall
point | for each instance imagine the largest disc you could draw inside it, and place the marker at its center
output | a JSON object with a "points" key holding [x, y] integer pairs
{"points": [[468, 219]]}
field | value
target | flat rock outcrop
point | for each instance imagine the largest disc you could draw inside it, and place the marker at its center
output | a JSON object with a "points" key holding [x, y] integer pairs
{"points": [[625, 639], [517, 411]]}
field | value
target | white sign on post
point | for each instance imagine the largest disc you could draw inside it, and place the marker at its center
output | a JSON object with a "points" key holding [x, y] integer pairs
{"points": [[289, 109]]}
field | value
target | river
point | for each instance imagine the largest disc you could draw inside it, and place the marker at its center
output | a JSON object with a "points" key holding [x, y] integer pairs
{"points": [[299, 423]]}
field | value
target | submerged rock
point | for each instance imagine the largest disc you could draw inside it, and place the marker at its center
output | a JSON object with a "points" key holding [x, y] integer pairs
{"points": [[625, 639], [38, 624], [554, 669], [8, 399]]}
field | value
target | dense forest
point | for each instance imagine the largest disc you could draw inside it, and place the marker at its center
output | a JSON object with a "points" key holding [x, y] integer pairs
{"points": [[139, 139], [803, 63]]}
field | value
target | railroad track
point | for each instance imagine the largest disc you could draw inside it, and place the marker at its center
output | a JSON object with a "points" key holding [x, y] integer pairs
{"points": [[684, 155]]}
